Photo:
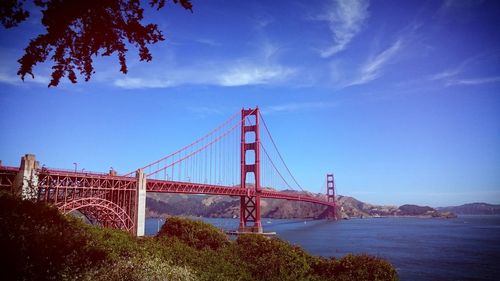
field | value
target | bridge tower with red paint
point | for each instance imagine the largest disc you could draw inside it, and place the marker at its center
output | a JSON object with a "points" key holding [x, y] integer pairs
{"points": [[250, 203], [330, 193]]}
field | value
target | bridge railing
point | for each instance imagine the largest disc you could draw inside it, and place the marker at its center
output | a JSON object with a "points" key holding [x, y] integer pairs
{"points": [[9, 168], [72, 172]]}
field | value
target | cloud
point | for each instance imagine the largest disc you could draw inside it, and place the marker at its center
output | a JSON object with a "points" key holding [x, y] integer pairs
{"points": [[292, 107], [16, 80], [268, 51], [253, 75], [263, 22], [9, 79], [473, 81], [445, 74], [261, 68], [345, 18], [9, 67], [243, 74], [371, 70], [452, 71], [450, 76], [207, 41], [138, 83]]}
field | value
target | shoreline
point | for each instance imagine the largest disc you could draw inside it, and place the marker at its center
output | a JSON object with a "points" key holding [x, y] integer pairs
{"points": [[317, 219]]}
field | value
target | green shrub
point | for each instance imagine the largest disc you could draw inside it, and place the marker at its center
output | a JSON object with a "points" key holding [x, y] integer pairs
{"points": [[272, 259], [196, 234], [354, 267], [206, 263], [117, 244], [38, 243], [139, 268]]}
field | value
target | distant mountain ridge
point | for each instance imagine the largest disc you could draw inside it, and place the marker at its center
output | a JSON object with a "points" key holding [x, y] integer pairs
{"points": [[161, 205], [473, 209]]}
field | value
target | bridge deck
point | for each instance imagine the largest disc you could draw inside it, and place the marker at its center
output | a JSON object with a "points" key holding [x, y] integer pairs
{"points": [[94, 180], [164, 186]]}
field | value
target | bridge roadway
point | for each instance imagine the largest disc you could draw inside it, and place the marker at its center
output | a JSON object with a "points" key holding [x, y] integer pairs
{"points": [[197, 188], [94, 180]]}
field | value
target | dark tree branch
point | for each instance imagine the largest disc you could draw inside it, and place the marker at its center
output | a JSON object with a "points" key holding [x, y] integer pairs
{"points": [[78, 30], [12, 13]]}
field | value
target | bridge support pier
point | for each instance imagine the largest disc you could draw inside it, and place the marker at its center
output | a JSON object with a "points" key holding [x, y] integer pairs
{"points": [[140, 214], [250, 212], [26, 181], [250, 204]]}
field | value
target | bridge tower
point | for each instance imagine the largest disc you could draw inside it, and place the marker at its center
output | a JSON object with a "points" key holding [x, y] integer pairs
{"points": [[26, 181], [330, 193], [250, 203]]}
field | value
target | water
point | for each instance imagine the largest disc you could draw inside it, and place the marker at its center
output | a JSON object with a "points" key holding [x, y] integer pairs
{"points": [[465, 248]]}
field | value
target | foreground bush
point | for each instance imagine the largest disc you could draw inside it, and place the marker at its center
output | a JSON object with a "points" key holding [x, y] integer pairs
{"points": [[38, 243], [140, 268], [354, 267], [206, 263], [272, 259], [194, 233]]}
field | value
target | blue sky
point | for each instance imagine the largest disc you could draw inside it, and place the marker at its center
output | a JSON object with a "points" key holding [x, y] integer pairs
{"points": [[400, 99]]}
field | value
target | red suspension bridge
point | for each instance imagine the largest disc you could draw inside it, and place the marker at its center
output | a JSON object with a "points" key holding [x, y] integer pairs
{"points": [[209, 165]]}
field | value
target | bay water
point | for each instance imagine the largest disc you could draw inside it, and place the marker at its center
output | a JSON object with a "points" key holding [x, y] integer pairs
{"points": [[463, 248]]}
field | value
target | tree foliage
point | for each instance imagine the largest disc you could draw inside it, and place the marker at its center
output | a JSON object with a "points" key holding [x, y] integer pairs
{"points": [[196, 234], [272, 259], [78, 30], [353, 267], [38, 243]]}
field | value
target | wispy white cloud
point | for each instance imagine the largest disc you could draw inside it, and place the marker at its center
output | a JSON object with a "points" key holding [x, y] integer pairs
{"points": [[445, 74], [268, 51], [16, 80], [138, 83], [259, 69], [345, 19], [253, 75], [263, 22], [207, 41], [243, 74], [372, 69], [473, 81], [9, 79], [42, 71], [454, 76], [9, 67], [292, 107], [448, 73]]}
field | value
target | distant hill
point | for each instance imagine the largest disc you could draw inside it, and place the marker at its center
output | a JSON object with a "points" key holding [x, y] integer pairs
{"points": [[473, 209], [225, 207], [160, 205]]}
